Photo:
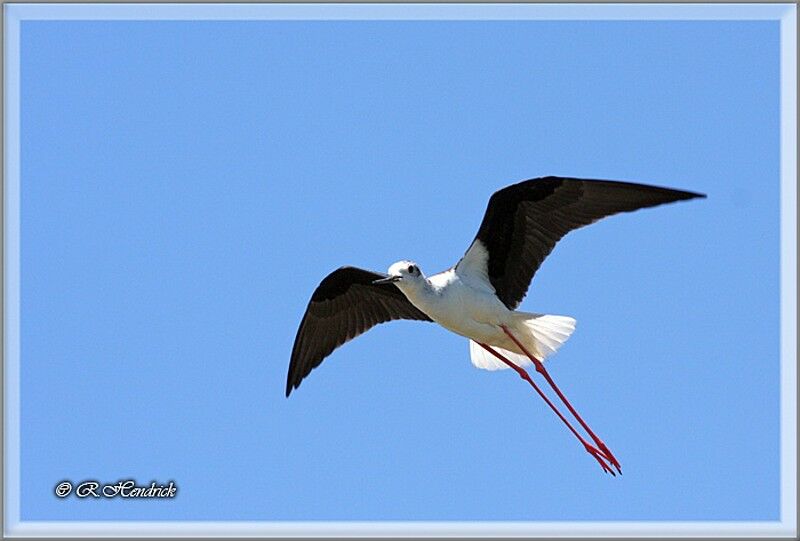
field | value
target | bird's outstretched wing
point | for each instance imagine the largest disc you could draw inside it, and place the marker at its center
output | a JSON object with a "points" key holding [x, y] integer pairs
{"points": [[524, 221], [344, 305]]}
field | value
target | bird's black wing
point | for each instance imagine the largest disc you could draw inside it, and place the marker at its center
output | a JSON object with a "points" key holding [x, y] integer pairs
{"points": [[344, 305], [524, 221]]}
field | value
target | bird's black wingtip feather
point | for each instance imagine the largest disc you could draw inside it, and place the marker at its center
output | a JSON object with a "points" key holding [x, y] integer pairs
{"points": [[692, 195]]}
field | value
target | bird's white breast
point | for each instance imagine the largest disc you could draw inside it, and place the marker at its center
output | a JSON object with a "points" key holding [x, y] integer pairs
{"points": [[455, 302]]}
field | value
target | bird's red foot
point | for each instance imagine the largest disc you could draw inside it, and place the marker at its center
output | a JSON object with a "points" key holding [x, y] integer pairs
{"points": [[609, 455], [600, 458]]}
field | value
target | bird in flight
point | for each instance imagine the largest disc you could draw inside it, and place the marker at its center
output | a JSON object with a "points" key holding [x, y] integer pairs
{"points": [[478, 297]]}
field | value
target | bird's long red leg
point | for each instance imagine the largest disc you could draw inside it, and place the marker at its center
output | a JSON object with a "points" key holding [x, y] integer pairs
{"points": [[541, 369], [598, 455]]}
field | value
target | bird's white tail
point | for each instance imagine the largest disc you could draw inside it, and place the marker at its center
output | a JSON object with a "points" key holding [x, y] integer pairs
{"points": [[545, 334]]}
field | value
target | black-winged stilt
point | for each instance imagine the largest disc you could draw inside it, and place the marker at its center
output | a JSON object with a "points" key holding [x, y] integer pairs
{"points": [[478, 297]]}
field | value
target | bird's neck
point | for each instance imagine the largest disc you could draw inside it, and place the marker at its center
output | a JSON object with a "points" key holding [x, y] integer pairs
{"points": [[417, 291]]}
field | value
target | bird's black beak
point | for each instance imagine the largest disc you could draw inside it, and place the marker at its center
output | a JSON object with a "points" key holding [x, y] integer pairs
{"points": [[387, 280]]}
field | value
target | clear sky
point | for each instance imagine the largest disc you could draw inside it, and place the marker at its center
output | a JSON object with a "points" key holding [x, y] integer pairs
{"points": [[186, 185]]}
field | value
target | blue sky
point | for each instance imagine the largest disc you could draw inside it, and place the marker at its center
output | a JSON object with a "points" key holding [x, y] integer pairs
{"points": [[186, 185]]}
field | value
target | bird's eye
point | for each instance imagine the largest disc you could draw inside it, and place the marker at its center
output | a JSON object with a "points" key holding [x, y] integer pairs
{"points": [[412, 269]]}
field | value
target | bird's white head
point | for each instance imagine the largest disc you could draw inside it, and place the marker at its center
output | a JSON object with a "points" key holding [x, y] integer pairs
{"points": [[403, 272]]}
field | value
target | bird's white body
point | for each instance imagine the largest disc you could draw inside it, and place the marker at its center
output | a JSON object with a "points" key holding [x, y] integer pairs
{"points": [[459, 304], [462, 300]]}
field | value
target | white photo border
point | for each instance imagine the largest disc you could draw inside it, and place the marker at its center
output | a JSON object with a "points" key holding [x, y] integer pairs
{"points": [[14, 14]]}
